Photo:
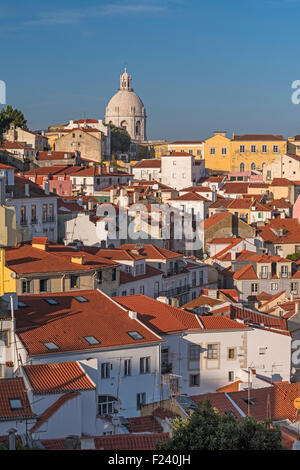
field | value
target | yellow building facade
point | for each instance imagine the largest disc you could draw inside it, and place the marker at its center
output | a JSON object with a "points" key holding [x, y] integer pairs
{"points": [[217, 152], [249, 152]]}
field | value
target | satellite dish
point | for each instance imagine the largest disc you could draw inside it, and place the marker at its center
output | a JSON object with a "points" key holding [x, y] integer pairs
{"points": [[13, 275]]}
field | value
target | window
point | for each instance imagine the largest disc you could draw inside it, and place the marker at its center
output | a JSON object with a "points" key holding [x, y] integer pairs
{"points": [[230, 376], [33, 214], [51, 212], [51, 301], [190, 151], [269, 175], [44, 285], [91, 340], [106, 404], [224, 151], [142, 289], [74, 282], [127, 367], [274, 286], [135, 335], [105, 370], [26, 287], [194, 380], [164, 359], [45, 212], [140, 400], [264, 148], [15, 404], [250, 401], [242, 167], [254, 288], [194, 353], [264, 272], [51, 346], [213, 150], [144, 365], [4, 337], [80, 299], [253, 148], [275, 148], [284, 271], [242, 148], [253, 166], [131, 291], [212, 351], [114, 274], [198, 153], [23, 215], [231, 353], [294, 287]]}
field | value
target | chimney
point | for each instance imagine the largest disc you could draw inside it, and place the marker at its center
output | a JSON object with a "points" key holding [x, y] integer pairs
{"points": [[163, 299], [296, 307], [40, 243], [27, 193], [78, 259], [72, 443], [132, 315], [12, 439]]}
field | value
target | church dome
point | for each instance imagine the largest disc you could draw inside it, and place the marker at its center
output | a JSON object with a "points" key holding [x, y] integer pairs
{"points": [[126, 109], [125, 103]]}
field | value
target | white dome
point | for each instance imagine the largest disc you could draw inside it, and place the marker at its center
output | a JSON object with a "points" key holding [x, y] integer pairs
{"points": [[125, 103]]}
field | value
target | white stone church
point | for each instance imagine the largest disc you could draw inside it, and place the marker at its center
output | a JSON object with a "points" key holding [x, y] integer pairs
{"points": [[126, 109]]}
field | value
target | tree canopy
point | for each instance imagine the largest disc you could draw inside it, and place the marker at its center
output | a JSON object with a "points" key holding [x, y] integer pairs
{"points": [[120, 139], [207, 429], [10, 115]]}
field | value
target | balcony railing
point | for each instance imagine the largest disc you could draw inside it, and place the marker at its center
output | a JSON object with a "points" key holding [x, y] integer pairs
{"points": [[175, 292]]}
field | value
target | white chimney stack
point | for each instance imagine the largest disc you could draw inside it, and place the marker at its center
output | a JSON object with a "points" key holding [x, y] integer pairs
{"points": [[132, 315]]}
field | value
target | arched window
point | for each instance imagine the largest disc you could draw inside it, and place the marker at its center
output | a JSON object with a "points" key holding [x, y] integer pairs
{"points": [[138, 128], [253, 166], [124, 125], [242, 167]]}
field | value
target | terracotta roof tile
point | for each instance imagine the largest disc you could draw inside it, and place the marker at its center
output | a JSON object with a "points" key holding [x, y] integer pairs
{"points": [[142, 424], [58, 377], [11, 389]]}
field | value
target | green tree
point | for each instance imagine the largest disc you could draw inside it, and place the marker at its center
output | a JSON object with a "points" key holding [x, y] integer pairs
{"points": [[120, 139], [207, 429], [10, 115]]}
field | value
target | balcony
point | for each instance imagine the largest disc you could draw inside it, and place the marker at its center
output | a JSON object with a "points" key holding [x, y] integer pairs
{"points": [[175, 292], [34, 220], [49, 219]]}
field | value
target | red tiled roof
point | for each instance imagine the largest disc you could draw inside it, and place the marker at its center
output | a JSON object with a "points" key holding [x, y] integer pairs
{"points": [[192, 196], [215, 219], [256, 318], [10, 389], [281, 182], [219, 401], [130, 441], [236, 188], [128, 277], [58, 377], [81, 121], [196, 189], [27, 259], [232, 387], [150, 251], [259, 137], [143, 424], [221, 323], [245, 273], [70, 322], [153, 163]]}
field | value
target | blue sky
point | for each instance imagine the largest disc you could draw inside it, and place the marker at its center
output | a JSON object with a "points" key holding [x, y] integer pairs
{"points": [[198, 65]]}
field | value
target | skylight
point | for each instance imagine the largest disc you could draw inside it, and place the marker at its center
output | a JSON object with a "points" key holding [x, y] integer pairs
{"points": [[135, 335], [51, 346], [51, 301], [91, 340], [80, 299], [15, 404]]}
